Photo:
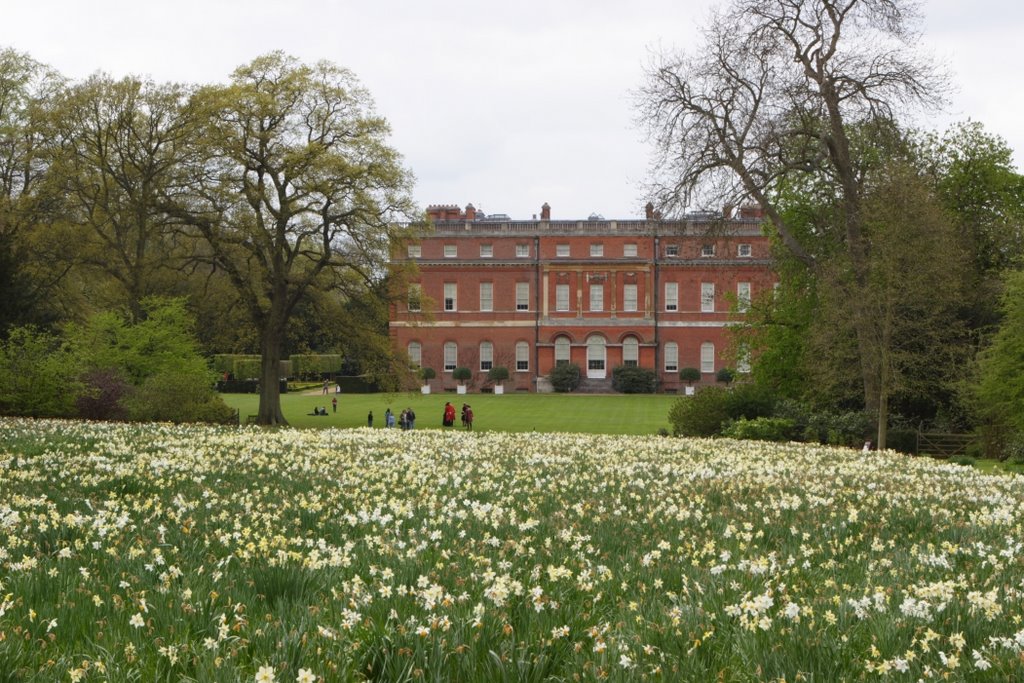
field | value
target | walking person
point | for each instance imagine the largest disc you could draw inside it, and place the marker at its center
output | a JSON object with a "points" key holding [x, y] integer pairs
{"points": [[467, 417], [465, 406], [334, 404], [448, 418], [389, 418], [403, 422], [326, 384], [369, 419], [410, 418]]}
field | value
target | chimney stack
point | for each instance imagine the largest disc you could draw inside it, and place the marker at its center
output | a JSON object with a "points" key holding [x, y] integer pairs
{"points": [[649, 211], [545, 212], [751, 212], [470, 212]]}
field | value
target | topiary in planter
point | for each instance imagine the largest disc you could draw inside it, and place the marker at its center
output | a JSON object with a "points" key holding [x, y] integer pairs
{"points": [[462, 374], [689, 375], [725, 376], [427, 374], [498, 374]]}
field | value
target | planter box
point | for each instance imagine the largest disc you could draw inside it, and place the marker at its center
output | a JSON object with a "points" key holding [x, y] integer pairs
{"points": [[425, 389], [461, 389], [689, 391], [499, 389]]}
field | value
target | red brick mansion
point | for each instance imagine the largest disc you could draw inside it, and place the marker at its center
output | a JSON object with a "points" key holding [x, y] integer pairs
{"points": [[527, 295]]}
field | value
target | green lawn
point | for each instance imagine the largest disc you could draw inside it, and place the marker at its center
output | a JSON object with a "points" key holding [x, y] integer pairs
{"points": [[618, 414]]}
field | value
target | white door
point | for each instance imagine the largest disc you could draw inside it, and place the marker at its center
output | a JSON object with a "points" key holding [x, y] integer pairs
{"points": [[596, 356]]}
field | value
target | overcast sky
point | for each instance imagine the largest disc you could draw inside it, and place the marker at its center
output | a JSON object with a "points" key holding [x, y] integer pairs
{"points": [[505, 105]]}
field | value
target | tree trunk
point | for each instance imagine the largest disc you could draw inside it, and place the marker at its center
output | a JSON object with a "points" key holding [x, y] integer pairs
{"points": [[270, 381]]}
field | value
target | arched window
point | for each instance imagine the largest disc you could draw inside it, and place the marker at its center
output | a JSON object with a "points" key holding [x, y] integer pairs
{"points": [[451, 356], [415, 352], [561, 350], [522, 357], [671, 357], [596, 357], [486, 355], [707, 357], [630, 352]]}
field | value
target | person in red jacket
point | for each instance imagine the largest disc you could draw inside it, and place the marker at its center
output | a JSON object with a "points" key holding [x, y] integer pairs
{"points": [[449, 414]]}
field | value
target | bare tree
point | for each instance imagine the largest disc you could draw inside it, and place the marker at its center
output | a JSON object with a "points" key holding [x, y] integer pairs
{"points": [[774, 97]]}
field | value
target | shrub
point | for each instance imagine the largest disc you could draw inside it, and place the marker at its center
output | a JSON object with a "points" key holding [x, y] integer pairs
{"points": [[725, 376], [701, 414], [427, 374], [499, 373], [689, 375], [102, 394], [633, 380], [705, 413], [177, 397], [565, 377], [762, 429], [462, 374], [839, 429], [36, 375]]}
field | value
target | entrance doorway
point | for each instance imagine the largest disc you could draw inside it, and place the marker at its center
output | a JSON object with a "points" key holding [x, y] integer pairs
{"points": [[596, 357]]}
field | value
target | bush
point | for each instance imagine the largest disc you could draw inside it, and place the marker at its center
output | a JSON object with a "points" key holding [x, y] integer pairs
{"points": [[701, 414], [762, 429], [902, 440], [102, 394], [705, 413], [725, 376], [629, 379], [499, 373], [177, 397], [462, 374], [427, 374], [565, 377], [36, 375], [839, 429]]}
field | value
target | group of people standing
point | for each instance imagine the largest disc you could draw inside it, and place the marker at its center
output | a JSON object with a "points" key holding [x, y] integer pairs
{"points": [[406, 419], [448, 419]]}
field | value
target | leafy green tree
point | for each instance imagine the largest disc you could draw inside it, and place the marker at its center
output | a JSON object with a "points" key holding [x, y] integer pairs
{"points": [[292, 187], [28, 273], [905, 304], [116, 147], [975, 179], [999, 389], [37, 375]]}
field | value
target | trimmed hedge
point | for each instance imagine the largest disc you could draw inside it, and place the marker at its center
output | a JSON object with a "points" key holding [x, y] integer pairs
{"points": [[245, 386]]}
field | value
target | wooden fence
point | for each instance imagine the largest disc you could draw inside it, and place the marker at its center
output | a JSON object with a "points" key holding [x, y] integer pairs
{"points": [[939, 445]]}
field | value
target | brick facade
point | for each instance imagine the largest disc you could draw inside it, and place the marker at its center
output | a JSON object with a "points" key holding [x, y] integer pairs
{"points": [[602, 293]]}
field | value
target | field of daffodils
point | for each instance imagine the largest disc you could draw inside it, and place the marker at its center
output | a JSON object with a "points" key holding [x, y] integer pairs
{"points": [[185, 553]]}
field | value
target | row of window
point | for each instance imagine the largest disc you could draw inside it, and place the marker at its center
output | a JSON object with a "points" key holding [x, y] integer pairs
{"points": [[596, 297], [451, 355], [595, 349], [596, 250]]}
